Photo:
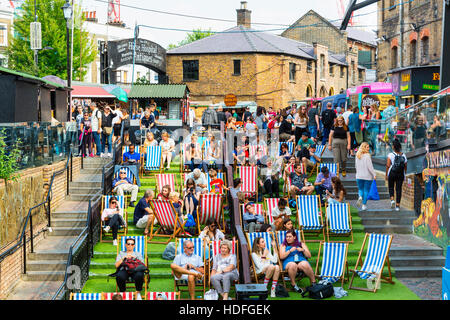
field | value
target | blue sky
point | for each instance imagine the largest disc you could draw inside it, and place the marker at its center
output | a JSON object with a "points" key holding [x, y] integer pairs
{"points": [[283, 12]]}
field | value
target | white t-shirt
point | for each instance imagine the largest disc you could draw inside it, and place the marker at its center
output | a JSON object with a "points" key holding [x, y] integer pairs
{"points": [[96, 114], [118, 116], [165, 146], [392, 157], [346, 114]]}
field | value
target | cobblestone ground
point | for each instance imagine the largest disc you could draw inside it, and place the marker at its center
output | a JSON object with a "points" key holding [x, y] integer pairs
{"points": [[426, 289]]}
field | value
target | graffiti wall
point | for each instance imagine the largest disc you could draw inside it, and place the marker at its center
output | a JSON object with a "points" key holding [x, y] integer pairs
{"points": [[433, 224]]}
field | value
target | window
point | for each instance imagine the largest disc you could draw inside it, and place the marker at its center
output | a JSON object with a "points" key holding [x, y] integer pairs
{"points": [[353, 71], [425, 50], [413, 54], [322, 66], [190, 70], [119, 76], [331, 68], [125, 77], [3, 34], [237, 67], [309, 67], [360, 74], [308, 91], [342, 72], [292, 67], [394, 57], [3, 62]]}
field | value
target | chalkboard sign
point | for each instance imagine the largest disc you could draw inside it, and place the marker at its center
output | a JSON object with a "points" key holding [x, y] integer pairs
{"points": [[147, 53]]}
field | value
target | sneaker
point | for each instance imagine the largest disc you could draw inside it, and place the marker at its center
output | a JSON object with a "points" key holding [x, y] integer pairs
{"points": [[107, 228], [91, 155], [115, 243], [397, 208], [359, 202], [272, 293], [364, 207], [109, 155], [299, 290], [102, 155], [392, 204]]}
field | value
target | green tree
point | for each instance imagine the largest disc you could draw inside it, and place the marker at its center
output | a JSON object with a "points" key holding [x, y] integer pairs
{"points": [[195, 35], [142, 81], [8, 159], [53, 27]]}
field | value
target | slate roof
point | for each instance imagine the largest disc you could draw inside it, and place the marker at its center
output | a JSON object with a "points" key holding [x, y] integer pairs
{"points": [[244, 40], [358, 34], [162, 91]]}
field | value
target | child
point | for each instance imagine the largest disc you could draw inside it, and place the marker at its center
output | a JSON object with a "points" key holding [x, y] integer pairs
{"points": [[280, 212], [217, 185], [174, 197]]}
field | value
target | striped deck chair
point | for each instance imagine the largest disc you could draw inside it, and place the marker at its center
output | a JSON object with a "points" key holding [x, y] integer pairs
{"points": [[153, 160], [287, 179], [163, 179], [130, 174], [127, 148], [376, 256], [309, 215], [220, 175], [199, 249], [258, 210], [86, 296], [168, 219], [270, 203], [339, 221], [249, 183], [281, 235], [290, 145], [163, 296], [215, 250], [332, 167], [122, 205], [268, 237], [141, 247], [319, 152], [334, 262], [253, 150], [125, 295], [210, 206]]}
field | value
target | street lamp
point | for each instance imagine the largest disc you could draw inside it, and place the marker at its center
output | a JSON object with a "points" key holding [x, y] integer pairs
{"points": [[68, 12]]}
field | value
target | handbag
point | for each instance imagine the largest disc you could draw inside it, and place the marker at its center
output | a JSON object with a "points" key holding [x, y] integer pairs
{"points": [[319, 291], [281, 291], [107, 130], [133, 265], [211, 295], [373, 193]]}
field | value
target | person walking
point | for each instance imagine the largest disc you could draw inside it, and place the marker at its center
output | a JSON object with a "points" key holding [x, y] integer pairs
{"points": [[328, 116], [313, 121], [354, 127], [340, 143], [365, 174], [300, 123], [396, 166], [96, 122]]}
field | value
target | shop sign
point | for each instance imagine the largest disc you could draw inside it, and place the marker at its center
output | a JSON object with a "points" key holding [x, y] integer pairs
{"points": [[230, 100], [430, 87], [380, 100]]}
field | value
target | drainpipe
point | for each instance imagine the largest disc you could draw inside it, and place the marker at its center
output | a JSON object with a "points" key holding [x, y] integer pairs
{"points": [[315, 79], [402, 30]]}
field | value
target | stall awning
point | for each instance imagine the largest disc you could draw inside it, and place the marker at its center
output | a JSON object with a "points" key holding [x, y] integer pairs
{"points": [[90, 92], [158, 91]]}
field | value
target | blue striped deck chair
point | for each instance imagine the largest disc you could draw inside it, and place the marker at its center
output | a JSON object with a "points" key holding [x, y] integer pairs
{"points": [[339, 221], [281, 236], [376, 256], [122, 205], [141, 247], [199, 249], [132, 173], [86, 296], [125, 149], [334, 262], [290, 145], [309, 215], [268, 237], [319, 152], [332, 167], [153, 160]]}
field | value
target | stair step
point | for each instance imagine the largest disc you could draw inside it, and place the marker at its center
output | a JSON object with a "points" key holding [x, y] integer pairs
{"points": [[386, 213], [92, 171], [82, 197], [418, 272], [48, 255], [388, 229], [68, 222], [422, 261], [355, 195], [46, 265], [84, 190], [415, 251], [44, 276], [388, 221], [66, 231], [69, 215], [82, 184]]}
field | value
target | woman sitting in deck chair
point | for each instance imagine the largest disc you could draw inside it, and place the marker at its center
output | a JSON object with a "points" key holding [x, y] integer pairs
{"points": [[191, 197], [113, 218], [266, 263], [294, 255], [224, 270]]}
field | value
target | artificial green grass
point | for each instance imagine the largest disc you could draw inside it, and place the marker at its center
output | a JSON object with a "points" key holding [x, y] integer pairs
{"points": [[102, 263]]}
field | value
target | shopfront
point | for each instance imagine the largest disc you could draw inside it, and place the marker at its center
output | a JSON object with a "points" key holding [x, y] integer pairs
{"points": [[413, 84]]}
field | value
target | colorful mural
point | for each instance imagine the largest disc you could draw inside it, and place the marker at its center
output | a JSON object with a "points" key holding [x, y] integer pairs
{"points": [[433, 224]]}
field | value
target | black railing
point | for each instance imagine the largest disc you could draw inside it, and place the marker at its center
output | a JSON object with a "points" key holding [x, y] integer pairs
{"points": [[22, 239]]}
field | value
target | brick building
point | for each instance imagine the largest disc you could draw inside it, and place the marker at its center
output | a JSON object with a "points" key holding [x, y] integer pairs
{"points": [[415, 42], [261, 67], [6, 22], [313, 28]]}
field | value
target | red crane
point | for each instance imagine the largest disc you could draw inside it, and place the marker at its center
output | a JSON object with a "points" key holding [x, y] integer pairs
{"points": [[341, 10], [114, 11]]}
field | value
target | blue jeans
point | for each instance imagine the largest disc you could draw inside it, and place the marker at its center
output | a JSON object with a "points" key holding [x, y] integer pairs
{"points": [[312, 131], [97, 141], [326, 134], [364, 189], [104, 139]]}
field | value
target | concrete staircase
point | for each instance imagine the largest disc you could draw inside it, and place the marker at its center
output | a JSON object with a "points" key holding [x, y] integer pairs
{"points": [[46, 266]]}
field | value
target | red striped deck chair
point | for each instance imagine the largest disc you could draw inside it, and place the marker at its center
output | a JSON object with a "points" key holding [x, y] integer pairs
{"points": [[253, 151], [287, 179], [249, 183], [170, 224], [163, 179], [258, 210], [215, 250], [163, 296], [211, 206], [125, 295], [270, 203]]}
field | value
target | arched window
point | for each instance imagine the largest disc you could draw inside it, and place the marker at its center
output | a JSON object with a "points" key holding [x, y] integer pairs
{"points": [[323, 92], [394, 57], [425, 50], [308, 91], [413, 53], [331, 92]]}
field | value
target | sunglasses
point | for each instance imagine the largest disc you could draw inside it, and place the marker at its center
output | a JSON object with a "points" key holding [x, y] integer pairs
{"points": [[130, 244]]}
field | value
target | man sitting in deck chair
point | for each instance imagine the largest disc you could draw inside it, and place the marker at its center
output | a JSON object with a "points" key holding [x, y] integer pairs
{"points": [[323, 182], [132, 157], [188, 266], [123, 184], [299, 182], [199, 178], [143, 215], [305, 155]]}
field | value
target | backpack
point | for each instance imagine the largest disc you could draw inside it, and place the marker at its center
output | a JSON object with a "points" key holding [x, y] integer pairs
{"points": [[281, 292], [327, 118], [319, 291], [398, 167], [169, 251]]}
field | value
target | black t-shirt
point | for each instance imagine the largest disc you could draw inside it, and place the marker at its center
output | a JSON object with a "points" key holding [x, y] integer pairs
{"points": [[147, 122], [312, 117], [139, 210], [285, 127], [328, 117], [246, 115], [221, 117], [303, 153], [339, 133], [107, 119]]}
